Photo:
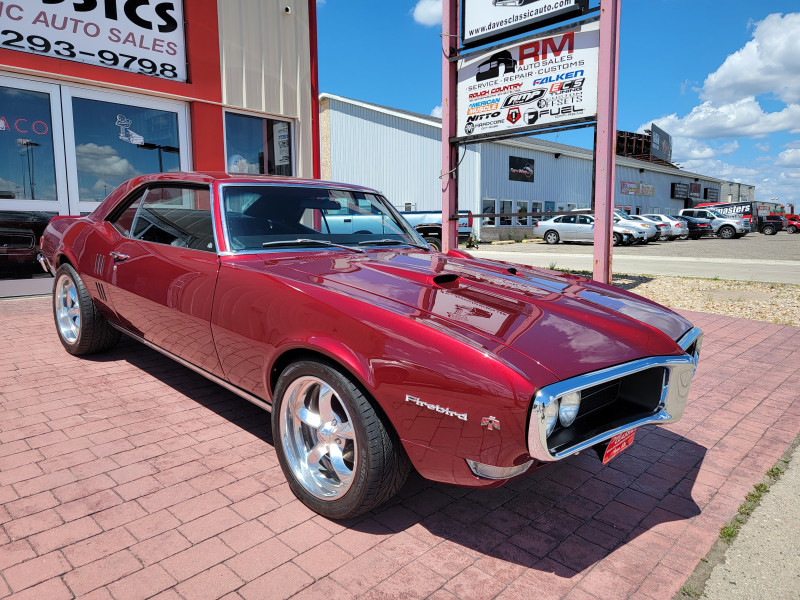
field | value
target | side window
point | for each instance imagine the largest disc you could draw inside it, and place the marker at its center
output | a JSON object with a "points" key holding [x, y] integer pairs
{"points": [[569, 219], [584, 220], [176, 216]]}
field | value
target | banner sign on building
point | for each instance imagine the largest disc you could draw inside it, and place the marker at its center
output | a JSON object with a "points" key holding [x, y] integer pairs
{"points": [[660, 144], [520, 169], [735, 209], [680, 191], [647, 189], [539, 83], [484, 20], [711, 194], [129, 35], [695, 190], [632, 188], [628, 188]]}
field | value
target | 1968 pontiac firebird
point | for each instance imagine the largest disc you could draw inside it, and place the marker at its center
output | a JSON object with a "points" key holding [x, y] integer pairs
{"points": [[317, 302]]}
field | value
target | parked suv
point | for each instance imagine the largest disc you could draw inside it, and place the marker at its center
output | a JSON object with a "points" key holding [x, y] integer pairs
{"points": [[724, 226], [770, 224]]}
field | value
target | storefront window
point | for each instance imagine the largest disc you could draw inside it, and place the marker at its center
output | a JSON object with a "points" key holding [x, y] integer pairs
{"points": [[505, 208], [27, 162], [488, 208], [258, 146], [114, 142]]}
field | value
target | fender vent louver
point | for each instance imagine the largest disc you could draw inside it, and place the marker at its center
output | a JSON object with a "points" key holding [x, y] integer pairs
{"points": [[101, 291], [99, 263]]}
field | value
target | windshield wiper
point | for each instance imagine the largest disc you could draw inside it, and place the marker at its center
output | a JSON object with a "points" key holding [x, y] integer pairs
{"points": [[390, 242], [308, 242]]}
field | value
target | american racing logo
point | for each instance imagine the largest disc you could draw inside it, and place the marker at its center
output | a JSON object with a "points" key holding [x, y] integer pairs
{"points": [[524, 98], [436, 408]]}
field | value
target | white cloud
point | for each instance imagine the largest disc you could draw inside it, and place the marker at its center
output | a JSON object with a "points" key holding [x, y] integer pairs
{"points": [[428, 12], [685, 148], [103, 161], [763, 146], [767, 64], [723, 170], [789, 158], [744, 117], [437, 111]]}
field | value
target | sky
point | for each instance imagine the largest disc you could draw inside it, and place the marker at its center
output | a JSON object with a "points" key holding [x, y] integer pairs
{"points": [[723, 78]]}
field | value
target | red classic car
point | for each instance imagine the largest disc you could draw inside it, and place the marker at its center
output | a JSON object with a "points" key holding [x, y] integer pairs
{"points": [[318, 302]]}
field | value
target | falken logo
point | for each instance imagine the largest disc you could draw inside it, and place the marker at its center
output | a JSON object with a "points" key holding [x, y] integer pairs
{"points": [[523, 98], [436, 408]]}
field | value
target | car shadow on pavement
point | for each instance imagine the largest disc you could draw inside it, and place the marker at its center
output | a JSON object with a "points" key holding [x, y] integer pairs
{"points": [[560, 519]]}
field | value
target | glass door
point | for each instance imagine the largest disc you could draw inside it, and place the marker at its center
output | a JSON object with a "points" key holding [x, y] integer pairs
{"points": [[32, 164], [114, 137]]}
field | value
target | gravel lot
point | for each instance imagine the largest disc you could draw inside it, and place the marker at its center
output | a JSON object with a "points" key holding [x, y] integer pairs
{"points": [[770, 302]]}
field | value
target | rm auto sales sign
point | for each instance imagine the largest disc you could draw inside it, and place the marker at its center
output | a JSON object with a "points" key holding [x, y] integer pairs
{"points": [[138, 36], [540, 82]]}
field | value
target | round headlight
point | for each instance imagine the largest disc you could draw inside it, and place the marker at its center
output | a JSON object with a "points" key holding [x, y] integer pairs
{"points": [[570, 405], [551, 417]]}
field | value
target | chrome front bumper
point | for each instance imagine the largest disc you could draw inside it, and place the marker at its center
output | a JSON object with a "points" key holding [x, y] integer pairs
{"points": [[674, 393]]}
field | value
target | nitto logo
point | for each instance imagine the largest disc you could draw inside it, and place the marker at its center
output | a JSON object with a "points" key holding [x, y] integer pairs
{"points": [[513, 115], [523, 98]]}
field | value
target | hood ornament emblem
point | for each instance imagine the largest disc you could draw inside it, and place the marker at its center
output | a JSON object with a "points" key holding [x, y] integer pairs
{"points": [[490, 423]]}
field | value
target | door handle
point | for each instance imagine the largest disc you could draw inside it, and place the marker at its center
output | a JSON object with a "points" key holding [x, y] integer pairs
{"points": [[118, 257]]}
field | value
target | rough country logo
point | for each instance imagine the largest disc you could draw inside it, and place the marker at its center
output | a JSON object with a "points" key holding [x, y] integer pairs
{"points": [[513, 115], [524, 98]]}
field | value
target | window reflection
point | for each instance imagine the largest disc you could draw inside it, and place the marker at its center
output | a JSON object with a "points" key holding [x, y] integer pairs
{"points": [[27, 163], [114, 142], [258, 146]]}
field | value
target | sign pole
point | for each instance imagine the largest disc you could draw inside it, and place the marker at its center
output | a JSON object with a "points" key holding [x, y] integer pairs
{"points": [[605, 146], [449, 151]]}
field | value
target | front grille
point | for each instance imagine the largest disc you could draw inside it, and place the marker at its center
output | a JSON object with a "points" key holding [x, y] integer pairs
{"points": [[16, 241], [611, 404]]}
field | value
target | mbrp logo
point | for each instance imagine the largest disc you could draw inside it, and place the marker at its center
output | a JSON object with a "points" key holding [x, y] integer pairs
{"points": [[513, 115], [523, 98]]}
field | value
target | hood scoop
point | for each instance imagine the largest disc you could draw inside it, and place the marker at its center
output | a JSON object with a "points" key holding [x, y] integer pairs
{"points": [[446, 280]]}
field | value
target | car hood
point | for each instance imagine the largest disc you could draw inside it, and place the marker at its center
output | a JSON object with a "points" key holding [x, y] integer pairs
{"points": [[568, 324]]}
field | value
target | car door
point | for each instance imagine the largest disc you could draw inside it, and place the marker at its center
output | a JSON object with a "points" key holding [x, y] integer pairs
{"points": [[568, 228], [164, 270], [584, 229]]}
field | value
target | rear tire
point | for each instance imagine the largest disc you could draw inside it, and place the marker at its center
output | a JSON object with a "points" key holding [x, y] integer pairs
{"points": [[551, 237], [339, 456], [768, 230], [434, 242], [80, 326]]}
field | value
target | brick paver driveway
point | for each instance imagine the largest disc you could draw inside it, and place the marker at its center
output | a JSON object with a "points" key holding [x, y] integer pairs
{"points": [[128, 476]]}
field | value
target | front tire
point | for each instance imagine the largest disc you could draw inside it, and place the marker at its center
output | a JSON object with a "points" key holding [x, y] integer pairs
{"points": [[792, 229], [726, 233], [434, 242], [338, 455], [80, 326], [551, 237], [617, 239]]}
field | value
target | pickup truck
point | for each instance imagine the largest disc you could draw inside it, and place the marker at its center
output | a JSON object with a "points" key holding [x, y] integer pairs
{"points": [[726, 226], [428, 224]]}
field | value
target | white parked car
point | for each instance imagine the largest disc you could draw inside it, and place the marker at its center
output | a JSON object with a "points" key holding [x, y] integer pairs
{"points": [[580, 228], [663, 228], [652, 232], [677, 228]]}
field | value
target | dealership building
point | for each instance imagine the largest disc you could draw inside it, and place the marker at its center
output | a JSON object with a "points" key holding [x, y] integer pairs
{"points": [[93, 93], [399, 153]]}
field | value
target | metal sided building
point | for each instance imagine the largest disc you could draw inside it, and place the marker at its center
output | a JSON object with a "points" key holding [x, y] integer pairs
{"points": [[92, 93], [399, 153]]}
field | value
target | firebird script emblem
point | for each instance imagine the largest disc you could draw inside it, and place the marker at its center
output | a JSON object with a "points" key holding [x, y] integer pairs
{"points": [[436, 407], [490, 423]]}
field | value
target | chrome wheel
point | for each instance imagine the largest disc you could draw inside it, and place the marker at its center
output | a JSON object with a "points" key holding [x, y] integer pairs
{"points": [[317, 435], [68, 309]]}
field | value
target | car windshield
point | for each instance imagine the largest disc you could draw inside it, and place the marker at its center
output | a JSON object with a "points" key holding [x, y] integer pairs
{"points": [[276, 216], [718, 215]]}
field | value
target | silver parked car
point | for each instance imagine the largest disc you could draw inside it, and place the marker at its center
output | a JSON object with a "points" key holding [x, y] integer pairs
{"points": [[677, 228], [580, 228]]}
